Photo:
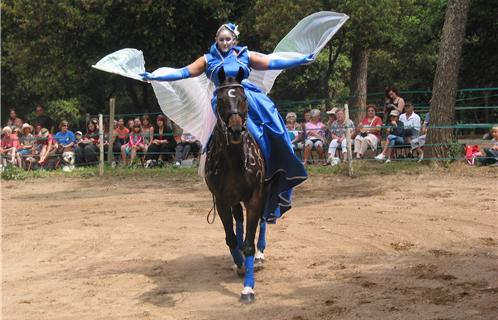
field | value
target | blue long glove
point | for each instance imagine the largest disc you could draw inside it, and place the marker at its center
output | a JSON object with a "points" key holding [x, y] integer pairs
{"points": [[177, 74], [278, 64]]}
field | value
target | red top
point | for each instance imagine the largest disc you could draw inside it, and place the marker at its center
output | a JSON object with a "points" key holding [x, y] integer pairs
{"points": [[135, 139], [93, 136], [121, 133], [10, 142], [377, 121]]}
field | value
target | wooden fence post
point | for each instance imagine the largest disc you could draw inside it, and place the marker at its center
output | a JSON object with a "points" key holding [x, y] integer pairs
{"points": [[112, 108], [348, 141], [101, 144]]}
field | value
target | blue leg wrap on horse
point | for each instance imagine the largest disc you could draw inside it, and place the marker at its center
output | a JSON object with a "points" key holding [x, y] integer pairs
{"points": [[238, 259], [262, 236], [239, 232], [249, 276]]}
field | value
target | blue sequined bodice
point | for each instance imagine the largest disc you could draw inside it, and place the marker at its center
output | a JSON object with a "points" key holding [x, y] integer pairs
{"points": [[237, 57]]}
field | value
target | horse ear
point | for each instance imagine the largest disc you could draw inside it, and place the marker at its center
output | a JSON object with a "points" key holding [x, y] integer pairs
{"points": [[240, 75], [221, 75]]}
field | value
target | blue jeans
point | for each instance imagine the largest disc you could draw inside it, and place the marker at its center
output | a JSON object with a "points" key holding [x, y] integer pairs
{"points": [[394, 140]]}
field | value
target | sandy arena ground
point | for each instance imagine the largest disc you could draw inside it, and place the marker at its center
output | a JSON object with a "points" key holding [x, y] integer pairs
{"points": [[376, 247]]}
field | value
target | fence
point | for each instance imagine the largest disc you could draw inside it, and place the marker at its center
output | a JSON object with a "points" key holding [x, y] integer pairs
{"points": [[476, 113]]}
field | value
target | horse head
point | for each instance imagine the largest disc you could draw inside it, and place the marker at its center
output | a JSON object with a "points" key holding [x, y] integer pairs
{"points": [[231, 106]]}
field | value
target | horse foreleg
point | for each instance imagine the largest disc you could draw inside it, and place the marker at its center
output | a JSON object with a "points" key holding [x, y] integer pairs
{"points": [[230, 238], [259, 258], [253, 216], [238, 214]]}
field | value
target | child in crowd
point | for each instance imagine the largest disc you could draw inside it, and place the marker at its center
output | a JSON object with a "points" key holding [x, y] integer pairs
{"points": [[9, 145], [121, 134], [395, 133], [134, 145], [27, 141], [491, 154], [48, 145]]}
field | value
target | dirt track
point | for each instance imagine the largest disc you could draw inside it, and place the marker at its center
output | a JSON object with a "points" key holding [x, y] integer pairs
{"points": [[376, 247]]}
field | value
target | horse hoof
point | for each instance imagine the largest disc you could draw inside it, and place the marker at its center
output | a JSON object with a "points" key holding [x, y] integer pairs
{"points": [[247, 296]]}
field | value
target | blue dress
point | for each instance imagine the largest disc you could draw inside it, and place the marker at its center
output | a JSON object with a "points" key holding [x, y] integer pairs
{"points": [[267, 127]]}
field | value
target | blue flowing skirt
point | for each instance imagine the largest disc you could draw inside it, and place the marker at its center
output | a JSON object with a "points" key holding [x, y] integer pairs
{"points": [[282, 166]]}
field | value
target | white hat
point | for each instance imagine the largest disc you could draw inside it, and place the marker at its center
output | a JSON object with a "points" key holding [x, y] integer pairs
{"points": [[394, 113], [332, 111], [27, 125]]}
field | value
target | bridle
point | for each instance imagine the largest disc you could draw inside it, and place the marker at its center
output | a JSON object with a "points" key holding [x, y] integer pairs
{"points": [[223, 126]]}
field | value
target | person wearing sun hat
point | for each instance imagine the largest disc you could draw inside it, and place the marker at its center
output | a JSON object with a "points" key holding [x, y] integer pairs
{"points": [[46, 141], [26, 142]]}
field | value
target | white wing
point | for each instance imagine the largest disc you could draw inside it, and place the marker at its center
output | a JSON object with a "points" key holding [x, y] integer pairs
{"points": [[310, 35]]}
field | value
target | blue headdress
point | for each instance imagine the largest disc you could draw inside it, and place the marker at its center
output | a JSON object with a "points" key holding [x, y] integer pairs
{"points": [[233, 28]]}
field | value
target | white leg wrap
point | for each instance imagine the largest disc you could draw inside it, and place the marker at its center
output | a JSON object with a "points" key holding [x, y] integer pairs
{"points": [[247, 290], [259, 255]]}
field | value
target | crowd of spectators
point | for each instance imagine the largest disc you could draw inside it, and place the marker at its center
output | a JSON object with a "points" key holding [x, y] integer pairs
{"points": [[402, 129], [151, 142], [140, 143]]}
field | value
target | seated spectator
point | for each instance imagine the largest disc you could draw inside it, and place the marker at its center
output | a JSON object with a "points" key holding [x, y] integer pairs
{"points": [[393, 102], [147, 131], [491, 154], [395, 137], [26, 143], [417, 144], [9, 146], [47, 146], [294, 131], [121, 134], [65, 138], [163, 143], [187, 144], [411, 123], [338, 134], [14, 121], [37, 129], [78, 135], [87, 151], [314, 136], [130, 124], [43, 119], [368, 132], [135, 144]]}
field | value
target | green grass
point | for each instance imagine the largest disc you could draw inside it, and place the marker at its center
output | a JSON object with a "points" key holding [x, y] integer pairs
{"points": [[14, 173], [368, 167]]}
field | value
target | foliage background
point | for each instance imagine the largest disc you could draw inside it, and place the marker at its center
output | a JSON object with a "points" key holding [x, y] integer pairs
{"points": [[49, 46]]}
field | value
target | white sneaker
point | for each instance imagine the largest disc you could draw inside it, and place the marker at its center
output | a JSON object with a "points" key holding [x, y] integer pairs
{"points": [[421, 157], [178, 163], [380, 157]]}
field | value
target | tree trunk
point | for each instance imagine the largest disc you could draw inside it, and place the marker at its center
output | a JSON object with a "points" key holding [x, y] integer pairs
{"points": [[331, 63], [442, 109], [359, 68]]}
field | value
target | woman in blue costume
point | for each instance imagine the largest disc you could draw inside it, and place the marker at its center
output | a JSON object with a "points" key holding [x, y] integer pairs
{"points": [[264, 122]]}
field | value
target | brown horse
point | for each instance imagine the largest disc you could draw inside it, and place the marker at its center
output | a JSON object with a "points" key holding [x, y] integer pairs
{"points": [[235, 171]]}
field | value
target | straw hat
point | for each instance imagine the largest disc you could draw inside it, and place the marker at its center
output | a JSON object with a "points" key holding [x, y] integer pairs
{"points": [[27, 125], [394, 113]]}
